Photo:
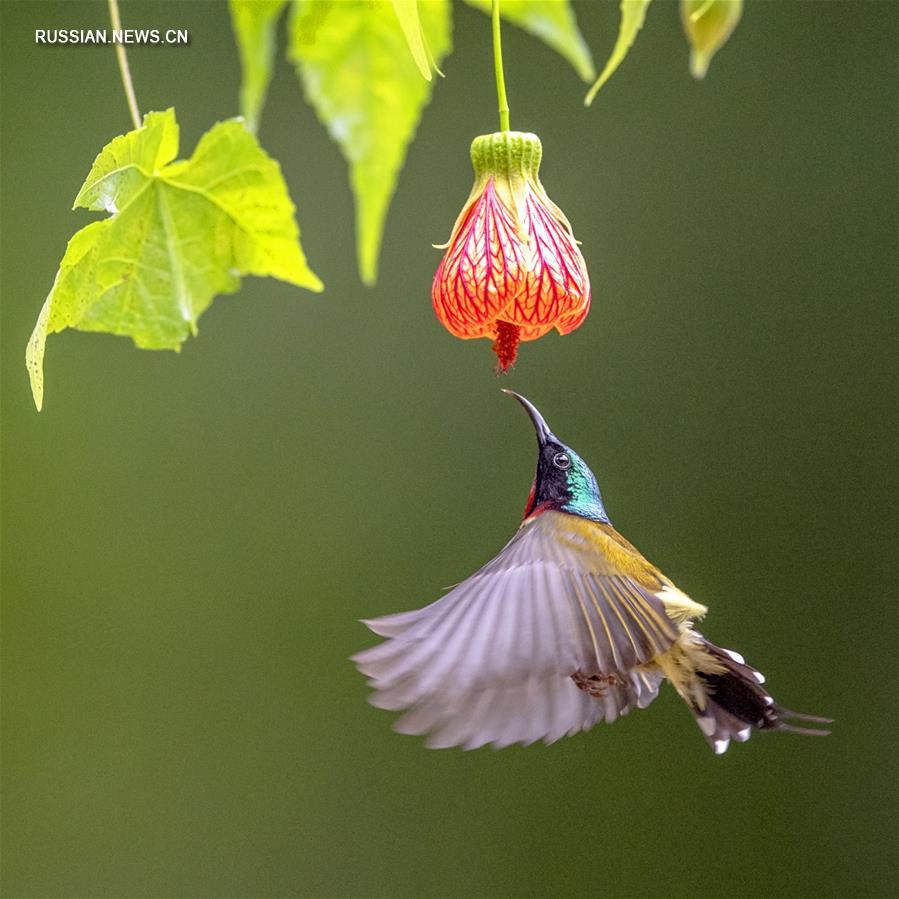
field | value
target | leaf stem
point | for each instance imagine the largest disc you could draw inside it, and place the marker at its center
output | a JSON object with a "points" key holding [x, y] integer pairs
{"points": [[123, 64], [498, 69]]}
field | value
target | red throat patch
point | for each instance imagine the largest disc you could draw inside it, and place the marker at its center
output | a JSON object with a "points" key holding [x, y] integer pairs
{"points": [[529, 508]]}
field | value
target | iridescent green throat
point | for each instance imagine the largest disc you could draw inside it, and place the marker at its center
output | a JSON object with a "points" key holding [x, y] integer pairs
{"points": [[584, 496]]}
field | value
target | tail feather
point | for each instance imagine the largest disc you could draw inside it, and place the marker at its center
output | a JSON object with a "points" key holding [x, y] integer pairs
{"points": [[736, 703]]}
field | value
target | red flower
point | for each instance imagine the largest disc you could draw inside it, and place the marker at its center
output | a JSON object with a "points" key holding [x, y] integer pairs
{"points": [[512, 269]]}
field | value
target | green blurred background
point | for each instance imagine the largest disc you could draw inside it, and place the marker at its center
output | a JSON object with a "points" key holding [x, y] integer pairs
{"points": [[189, 539]]}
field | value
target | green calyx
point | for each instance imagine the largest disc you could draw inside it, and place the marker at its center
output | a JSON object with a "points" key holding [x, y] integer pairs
{"points": [[511, 160], [511, 155]]}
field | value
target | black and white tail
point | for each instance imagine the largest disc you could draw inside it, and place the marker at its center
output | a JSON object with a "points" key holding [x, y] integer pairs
{"points": [[737, 703]]}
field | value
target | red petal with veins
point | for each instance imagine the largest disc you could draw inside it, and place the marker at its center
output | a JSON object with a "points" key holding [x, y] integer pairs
{"points": [[482, 271], [557, 287], [572, 322]]}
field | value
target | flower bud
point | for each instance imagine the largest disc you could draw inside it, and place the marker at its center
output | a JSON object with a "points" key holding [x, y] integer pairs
{"points": [[708, 24]]}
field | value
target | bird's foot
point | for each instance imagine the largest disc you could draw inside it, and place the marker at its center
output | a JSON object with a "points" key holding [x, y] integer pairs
{"points": [[596, 684]]}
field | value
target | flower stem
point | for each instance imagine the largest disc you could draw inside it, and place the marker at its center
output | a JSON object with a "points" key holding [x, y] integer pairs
{"points": [[498, 69], [123, 64]]}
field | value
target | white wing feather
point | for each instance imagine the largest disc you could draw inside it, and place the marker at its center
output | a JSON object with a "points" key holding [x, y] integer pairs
{"points": [[492, 660]]}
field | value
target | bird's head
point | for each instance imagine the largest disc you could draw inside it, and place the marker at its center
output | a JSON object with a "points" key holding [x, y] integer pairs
{"points": [[563, 480]]}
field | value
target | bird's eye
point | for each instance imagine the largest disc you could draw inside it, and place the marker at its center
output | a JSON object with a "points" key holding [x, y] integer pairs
{"points": [[562, 460]]}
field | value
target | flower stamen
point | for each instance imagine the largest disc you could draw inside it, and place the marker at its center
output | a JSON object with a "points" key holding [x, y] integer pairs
{"points": [[505, 346]]}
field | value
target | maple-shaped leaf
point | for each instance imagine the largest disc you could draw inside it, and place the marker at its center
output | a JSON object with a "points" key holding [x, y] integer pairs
{"points": [[178, 234]]}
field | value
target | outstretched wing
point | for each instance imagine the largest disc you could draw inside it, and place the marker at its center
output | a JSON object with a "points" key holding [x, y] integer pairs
{"points": [[545, 709], [492, 660]]}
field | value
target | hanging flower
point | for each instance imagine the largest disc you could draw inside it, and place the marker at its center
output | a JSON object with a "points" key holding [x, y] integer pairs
{"points": [[512, 269]]}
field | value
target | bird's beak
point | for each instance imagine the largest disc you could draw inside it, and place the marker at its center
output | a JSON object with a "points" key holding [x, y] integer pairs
{"points": [[540, 425]]}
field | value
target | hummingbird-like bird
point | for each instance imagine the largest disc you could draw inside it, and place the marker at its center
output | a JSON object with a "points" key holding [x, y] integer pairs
{"points": [[567, 626]]}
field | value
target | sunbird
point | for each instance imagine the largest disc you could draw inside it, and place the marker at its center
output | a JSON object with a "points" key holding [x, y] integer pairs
{"points": [[567, 626]]}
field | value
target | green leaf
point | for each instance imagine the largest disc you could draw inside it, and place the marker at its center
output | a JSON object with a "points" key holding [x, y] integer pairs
{"points": [[407, 14], [365, 87], [254, 23], [553, 22], [179, 233], [633, 12]]}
